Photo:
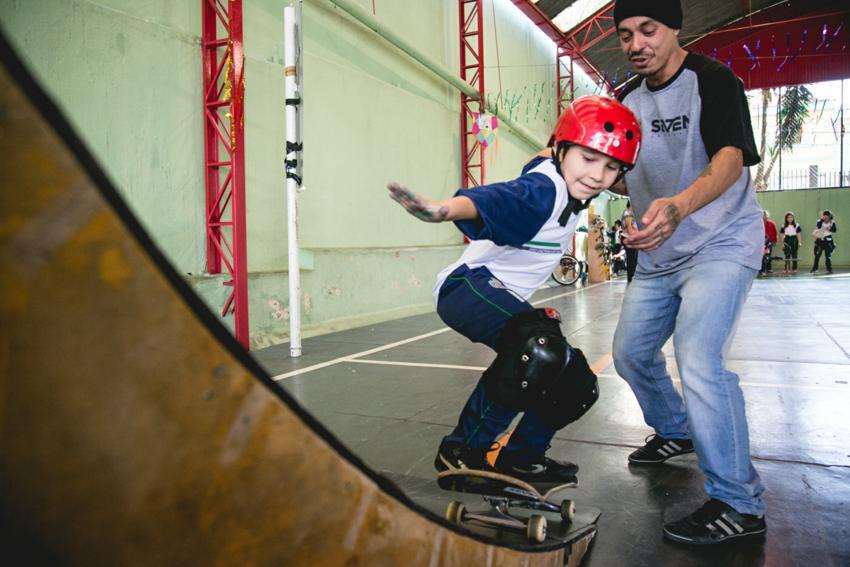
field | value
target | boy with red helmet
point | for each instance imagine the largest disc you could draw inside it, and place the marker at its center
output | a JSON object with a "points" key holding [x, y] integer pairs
{"points": [[518, 231]]}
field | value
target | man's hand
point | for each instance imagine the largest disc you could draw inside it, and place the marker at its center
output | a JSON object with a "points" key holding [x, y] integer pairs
{"points": [[659, 222], [416, 205]]}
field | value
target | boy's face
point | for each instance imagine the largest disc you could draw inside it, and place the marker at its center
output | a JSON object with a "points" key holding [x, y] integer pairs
{"points": [[825, 217], [588, 172]]}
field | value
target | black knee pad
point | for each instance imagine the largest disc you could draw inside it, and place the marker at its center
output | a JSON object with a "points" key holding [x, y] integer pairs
{"points": [[532, 352], [568, 397]]}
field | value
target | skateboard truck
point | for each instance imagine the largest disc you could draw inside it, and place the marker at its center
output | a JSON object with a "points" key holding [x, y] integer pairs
{"points": [[502, 492]]}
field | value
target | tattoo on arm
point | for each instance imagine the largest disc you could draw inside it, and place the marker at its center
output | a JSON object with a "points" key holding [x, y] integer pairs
{"points": [[706, 172], [672, 214]]}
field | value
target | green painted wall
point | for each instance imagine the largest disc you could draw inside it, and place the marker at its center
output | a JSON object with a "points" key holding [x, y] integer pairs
{"points": [[128, 75], [807, 204]]}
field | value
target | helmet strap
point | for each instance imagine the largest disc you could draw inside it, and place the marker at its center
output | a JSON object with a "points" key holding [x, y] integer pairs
{"points": [[620, 176], [559, 150]]}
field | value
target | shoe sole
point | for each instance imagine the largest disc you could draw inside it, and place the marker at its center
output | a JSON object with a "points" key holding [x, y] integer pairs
{"points": [[680, 539], [647, 462]]}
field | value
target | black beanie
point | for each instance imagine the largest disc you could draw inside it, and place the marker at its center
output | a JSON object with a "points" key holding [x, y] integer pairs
{"points": [[668, 12]]}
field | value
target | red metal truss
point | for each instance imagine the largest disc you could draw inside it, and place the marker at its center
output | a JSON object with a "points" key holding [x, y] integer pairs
{"points": [[566, 85], [599, 26], [224, 154], [573, 45], [596, 28], [470, 16]]}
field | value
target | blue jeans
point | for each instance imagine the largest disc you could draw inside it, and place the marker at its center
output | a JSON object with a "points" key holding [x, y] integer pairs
{"points": [[475, 304], [700, 306]]}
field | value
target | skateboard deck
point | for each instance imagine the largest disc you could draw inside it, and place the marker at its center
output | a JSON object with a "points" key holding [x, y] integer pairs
{"points": [[502, 492], [491, 483]]}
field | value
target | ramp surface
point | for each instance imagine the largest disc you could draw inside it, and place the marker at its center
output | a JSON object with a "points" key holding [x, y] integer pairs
{"points": [[133, 428]]}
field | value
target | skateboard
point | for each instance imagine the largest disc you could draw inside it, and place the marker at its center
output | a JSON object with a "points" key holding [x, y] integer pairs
{"points": [[502, 492]]}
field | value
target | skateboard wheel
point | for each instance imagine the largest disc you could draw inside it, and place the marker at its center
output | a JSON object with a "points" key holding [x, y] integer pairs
{"points": [[568, 510], [537, 528], [455, 512]]}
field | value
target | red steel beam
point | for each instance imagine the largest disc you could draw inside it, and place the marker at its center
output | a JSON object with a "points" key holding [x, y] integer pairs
{"points": [[566, 85], [573, 44], [593, 30], [471, 44], [224, 154]]}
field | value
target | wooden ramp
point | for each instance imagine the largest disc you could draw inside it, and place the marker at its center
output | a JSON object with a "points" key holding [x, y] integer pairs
{"points": [[133, 428]]}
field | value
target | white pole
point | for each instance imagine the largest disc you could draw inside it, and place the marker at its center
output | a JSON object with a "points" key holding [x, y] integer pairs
{"points": [[293, 104]]}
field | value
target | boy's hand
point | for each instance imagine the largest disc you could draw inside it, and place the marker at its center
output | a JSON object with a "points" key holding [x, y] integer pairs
{"points": [[421, 208]]}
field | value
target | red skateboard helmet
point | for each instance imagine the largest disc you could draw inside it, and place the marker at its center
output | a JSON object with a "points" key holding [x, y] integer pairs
{"points": [[602, 124]]}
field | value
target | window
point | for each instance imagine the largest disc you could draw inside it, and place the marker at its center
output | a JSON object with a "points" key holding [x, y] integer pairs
{"points": [[800, 136]]}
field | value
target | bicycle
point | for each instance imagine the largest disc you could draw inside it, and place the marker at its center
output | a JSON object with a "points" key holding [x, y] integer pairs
{"points": [[568, 270]]}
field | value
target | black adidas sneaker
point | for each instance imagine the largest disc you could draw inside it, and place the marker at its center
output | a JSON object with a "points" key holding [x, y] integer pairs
{"points": [[658, 449], [715, 522]]}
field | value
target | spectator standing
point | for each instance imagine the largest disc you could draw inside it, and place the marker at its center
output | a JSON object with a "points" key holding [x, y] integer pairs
{"points": [[824, 243], [770, 238], [791, 240], [629, 227]]}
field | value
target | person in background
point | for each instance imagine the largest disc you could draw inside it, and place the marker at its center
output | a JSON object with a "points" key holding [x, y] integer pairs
{"points": [[629, 227], [618, 254], [824, 243], [770, 238], [790, 241]]}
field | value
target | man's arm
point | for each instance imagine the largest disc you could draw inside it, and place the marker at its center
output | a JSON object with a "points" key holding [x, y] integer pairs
{"points": [[664, 215]]}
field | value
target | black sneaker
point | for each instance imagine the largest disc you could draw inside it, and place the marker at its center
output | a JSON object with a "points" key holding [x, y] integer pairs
{"points": [[658, 449], [457, 457], [715, 522], [542, 470]]}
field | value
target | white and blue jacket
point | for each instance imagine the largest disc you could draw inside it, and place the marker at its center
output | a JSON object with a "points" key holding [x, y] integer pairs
{"points": [[523, 228]]}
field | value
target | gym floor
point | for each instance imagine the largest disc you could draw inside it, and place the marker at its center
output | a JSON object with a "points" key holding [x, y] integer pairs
{"points": [[391, 391]]}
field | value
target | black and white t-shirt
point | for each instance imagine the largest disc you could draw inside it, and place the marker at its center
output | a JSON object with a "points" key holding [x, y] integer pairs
{"points": [[684, 122]]}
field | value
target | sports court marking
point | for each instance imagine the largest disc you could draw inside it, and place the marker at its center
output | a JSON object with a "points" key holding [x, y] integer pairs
{"points": [[355, 356], [836, 388]]}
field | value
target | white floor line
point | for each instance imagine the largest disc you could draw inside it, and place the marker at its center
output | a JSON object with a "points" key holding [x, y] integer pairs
{"points": [[837, 388], [419, 364], [568, 293], [351, 357]]}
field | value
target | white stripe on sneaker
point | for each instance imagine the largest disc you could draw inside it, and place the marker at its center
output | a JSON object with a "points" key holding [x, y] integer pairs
{"points": [[722, 525], [673, 444], [733, 522], [663, 452]]}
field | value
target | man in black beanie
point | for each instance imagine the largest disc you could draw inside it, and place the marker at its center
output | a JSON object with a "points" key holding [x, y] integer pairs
{"points": [[700, 235]]}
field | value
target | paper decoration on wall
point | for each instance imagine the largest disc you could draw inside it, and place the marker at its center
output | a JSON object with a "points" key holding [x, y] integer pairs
{"points": [[485, 128]]}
